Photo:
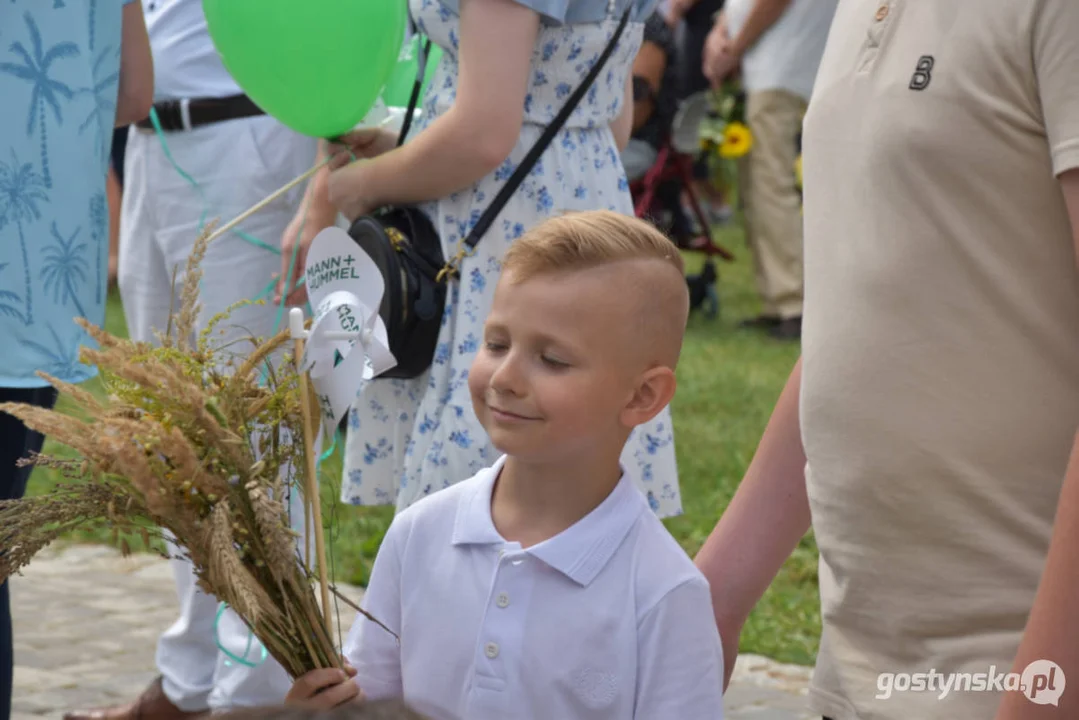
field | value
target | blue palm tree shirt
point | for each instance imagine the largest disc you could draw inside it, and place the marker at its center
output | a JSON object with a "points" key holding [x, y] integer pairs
{"points": [[59, 79]]}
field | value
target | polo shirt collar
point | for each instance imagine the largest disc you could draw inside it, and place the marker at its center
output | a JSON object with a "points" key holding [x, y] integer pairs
{"points": [[580, 551]]}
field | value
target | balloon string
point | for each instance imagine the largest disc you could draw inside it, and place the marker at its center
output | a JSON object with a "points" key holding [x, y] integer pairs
{"points": [[232, 657]]}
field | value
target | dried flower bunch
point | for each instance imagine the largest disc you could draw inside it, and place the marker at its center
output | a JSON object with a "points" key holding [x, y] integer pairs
{"points": [[200, 446]]}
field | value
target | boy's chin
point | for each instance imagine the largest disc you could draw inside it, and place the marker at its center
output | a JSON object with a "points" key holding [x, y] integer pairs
{"points": [[508, 442]]}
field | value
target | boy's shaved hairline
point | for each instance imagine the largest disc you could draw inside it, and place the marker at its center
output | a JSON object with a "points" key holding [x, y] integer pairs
{"points": [[655, 284]]}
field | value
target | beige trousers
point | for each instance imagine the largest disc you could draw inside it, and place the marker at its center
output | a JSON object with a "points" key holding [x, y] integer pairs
{"points": [[773, 217]]}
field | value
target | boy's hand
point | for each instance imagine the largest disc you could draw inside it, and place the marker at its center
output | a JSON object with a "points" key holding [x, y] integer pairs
{"points": [[325, 689], [730, 632]]}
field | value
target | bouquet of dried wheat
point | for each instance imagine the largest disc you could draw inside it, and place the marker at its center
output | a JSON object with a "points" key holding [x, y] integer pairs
{"points": [[197, 445]]}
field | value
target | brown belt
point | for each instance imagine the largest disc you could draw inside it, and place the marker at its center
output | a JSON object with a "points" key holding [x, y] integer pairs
{"points": [[177, 115]]}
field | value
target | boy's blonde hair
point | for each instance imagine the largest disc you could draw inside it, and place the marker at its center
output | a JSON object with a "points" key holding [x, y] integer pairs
{"points": [[578, 241], [584, 240]]}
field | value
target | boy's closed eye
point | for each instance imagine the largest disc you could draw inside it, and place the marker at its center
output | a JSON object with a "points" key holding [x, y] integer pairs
{"points": [[555, 363], [552, 360]]}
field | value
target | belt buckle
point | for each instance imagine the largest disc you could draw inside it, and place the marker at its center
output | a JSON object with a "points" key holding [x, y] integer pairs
{"points": [[174, 115]]}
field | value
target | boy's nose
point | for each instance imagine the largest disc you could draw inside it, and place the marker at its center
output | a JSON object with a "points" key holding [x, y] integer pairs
{"points": [[507, 377]]}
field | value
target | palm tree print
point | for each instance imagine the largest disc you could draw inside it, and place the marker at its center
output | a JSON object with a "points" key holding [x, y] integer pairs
{"points": [[104, 111], [65, 268], [21, 189], [35, 69], [62, 359], [7, 297], [99, 225]]}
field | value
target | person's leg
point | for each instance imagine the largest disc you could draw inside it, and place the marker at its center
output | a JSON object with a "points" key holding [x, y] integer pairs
{"points": [[775, 207], [16, 442]]}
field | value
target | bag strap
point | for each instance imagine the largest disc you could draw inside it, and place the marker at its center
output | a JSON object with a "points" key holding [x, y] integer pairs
{"points": [[533, 156], [421, 72]]}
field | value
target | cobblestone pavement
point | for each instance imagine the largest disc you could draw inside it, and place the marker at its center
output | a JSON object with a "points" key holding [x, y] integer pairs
{"points": [[86, 622]]}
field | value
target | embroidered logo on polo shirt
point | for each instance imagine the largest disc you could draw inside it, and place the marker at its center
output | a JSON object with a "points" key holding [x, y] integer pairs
{"points": [[923, 73], [595, 688]]}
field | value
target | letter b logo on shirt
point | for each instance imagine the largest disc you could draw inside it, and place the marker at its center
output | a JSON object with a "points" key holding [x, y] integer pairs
{"points": [[922, 73]]}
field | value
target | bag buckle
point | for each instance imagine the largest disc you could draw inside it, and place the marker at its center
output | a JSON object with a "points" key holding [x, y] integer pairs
{"points": [[397, 238], [451, 267]]}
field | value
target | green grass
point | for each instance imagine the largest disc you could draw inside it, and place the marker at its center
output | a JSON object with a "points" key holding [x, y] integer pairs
{"points": [[729, 381]]}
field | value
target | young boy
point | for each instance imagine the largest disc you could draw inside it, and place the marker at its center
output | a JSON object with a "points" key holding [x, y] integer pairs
{"points": [[544, 587]]}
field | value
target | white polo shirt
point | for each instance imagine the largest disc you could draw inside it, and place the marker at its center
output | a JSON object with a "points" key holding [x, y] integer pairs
{"points": [[787, 55], [186, 63], [607, 620]]}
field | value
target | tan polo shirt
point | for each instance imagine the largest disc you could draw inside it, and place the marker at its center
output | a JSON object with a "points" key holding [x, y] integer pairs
{"points": [[940, 388]]}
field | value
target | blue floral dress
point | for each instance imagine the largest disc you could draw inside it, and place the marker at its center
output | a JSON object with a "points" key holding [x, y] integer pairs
{"points": [[409, 438]]}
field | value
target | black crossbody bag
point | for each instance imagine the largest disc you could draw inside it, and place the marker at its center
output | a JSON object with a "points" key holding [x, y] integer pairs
{"points": [[405, 246]]}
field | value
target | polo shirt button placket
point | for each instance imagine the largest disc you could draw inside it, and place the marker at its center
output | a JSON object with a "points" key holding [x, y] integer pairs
{"points": [[882, 18]]}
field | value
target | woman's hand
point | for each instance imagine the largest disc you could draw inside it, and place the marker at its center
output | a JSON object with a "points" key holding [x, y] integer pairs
{"points": [[324, 689], [365, 143], [308, 222], [348, 182], [350, 187]]}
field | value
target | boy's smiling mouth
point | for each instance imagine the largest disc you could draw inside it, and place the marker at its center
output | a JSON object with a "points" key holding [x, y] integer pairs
{"points": [[506, 416]]}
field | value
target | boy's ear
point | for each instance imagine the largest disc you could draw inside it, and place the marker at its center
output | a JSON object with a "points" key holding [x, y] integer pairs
{"points": [[655, 390]]}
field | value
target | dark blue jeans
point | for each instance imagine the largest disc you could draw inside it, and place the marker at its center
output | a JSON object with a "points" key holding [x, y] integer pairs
{"points": [[16, 441]]}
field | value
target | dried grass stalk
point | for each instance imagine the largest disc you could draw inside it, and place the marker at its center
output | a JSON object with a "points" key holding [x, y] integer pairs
{"points": [[196, 447]]}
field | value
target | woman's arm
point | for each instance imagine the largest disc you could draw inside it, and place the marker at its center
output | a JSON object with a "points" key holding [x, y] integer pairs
{"points": [[474, 136], [761, 527], [136, 93]]}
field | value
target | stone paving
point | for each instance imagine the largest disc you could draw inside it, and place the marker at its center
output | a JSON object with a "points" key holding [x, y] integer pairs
{"points": [[86, 622]]}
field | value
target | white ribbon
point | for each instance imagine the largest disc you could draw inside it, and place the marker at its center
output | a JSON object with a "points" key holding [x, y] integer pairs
{"points": [[347, 345]]}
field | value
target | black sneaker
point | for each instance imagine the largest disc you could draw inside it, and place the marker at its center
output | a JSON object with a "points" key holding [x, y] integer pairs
{"points": [[789, 329]]}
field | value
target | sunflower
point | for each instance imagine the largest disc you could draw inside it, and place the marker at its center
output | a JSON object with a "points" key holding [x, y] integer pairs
{"points": [[737, 141]]}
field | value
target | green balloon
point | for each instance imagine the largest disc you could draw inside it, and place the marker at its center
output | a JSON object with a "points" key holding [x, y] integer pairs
{"points": [[399, 85], [317, 66]]}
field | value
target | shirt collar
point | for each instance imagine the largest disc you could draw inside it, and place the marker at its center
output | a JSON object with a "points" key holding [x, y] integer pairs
{"points": [[578, 552]]}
